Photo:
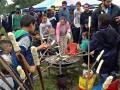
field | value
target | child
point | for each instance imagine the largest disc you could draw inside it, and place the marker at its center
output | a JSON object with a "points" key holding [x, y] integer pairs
{"points": [[36, 39], [24, 39], [45, 27], [83, 47], [9, 56]]}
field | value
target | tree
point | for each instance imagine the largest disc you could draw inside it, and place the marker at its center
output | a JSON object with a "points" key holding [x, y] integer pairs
{"points": [[26, 3], [3, 3], [5, 8]]}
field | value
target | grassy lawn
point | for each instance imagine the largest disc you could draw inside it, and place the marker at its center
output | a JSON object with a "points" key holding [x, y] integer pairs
{"points": [[72, 75]]}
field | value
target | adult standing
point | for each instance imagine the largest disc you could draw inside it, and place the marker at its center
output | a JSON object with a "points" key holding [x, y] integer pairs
{"points": [[64, 12], [71, 14], [106, 7], [84, 17], [16, 20], [76, 29]]}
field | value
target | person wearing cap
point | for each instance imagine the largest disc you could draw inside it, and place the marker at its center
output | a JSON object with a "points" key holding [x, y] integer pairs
{"points": [[106, 7]]}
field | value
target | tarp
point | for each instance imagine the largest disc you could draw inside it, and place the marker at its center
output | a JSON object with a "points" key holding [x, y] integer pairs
{"points": [[49, 3], [69, 2], [44, 4]]}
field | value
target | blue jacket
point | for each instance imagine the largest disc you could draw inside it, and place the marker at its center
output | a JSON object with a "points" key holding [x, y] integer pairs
{"points": [[106, 39], [26, 53], [15, 61]]}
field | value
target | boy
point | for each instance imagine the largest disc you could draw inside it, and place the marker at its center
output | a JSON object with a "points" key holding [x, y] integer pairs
{"points": [[8, 55], [24, 39], [45, 27]]}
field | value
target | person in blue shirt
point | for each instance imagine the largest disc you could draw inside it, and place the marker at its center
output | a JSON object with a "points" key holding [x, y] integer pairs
{"points": [[24, 39], [64, 12], [8, 54]]}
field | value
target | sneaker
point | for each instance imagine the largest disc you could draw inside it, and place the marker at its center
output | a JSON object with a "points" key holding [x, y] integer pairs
{"points": [[84, 65]]}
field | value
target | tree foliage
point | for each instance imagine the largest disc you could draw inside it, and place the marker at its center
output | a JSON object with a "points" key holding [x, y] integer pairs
{"points": [[26, 3], [4, 7], [3, 3]]}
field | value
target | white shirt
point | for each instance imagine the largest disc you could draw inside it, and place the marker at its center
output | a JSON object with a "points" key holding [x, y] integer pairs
{"points": [[44, 27], [77, 15], [7, 57], [25, 42]]}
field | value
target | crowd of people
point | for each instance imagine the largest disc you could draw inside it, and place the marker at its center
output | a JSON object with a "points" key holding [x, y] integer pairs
{"points": [[65, 25]]}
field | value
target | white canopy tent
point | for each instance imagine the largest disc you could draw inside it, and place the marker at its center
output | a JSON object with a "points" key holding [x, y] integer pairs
{"points": [[49, 3]]}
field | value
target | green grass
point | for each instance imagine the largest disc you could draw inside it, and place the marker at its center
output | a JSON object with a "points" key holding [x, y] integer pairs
{"points": [[72, 76]]}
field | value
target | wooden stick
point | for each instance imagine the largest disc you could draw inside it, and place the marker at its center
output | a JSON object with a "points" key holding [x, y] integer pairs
{"points": [[4, 79], [97, 59], [89, 25], [37, 63], [7, 67], [21, 58], [97, 71], [40, 77]]}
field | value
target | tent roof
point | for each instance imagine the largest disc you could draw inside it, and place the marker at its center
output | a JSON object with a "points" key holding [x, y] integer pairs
{"points": [[69, 2], [44, 4], [49, 3]]}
